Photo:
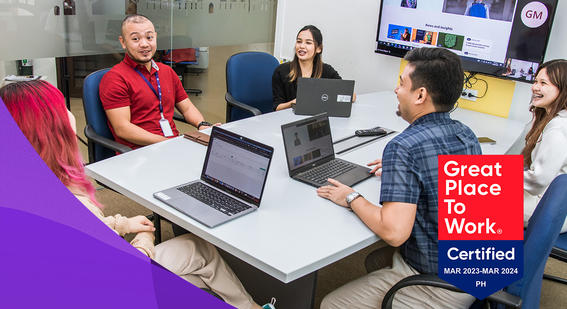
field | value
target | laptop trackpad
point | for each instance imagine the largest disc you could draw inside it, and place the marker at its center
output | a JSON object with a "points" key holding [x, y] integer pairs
{"points": [[354, 176], [201, 212]]}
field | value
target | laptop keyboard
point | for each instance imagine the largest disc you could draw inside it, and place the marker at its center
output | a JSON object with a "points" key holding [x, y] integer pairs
{"points": [[215, 199], [330, 169]]}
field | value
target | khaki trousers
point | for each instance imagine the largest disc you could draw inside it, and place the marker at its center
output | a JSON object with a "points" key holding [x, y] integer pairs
{"points": [[368, 291], [198, 262]]}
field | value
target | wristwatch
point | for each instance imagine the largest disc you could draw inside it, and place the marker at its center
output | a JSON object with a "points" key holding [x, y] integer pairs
{"points": [[203, 123], [351, 197]]}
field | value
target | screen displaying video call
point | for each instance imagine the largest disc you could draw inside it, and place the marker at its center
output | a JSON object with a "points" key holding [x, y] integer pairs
{"points": [[505, 38]]}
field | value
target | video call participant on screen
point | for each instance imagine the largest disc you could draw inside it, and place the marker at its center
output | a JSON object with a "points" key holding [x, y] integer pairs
{"points": [[545, 151], [139, 95], [478, 9], [39, 110], [409, 4], [406, 35], [428, 89], [307, 62]]}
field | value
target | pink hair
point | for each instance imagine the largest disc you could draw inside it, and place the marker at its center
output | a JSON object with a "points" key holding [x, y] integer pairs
{"points": [[39, 110]]}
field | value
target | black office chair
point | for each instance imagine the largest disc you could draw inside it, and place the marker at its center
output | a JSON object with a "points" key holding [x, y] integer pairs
{"points": [[249, 84], [540, 236]]}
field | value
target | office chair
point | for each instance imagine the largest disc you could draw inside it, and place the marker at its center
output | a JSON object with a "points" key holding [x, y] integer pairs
{"points": [[100, 141], [179, 59], [249, 84], [540, 236], [101, 144], [558, 252]]}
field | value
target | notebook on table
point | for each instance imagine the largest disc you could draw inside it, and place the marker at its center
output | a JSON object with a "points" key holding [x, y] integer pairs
{"points": [[232, 180], [310, 155]]}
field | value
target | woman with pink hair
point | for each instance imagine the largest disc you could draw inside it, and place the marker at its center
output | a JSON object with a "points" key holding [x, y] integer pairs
{"points": [[39, 110]]}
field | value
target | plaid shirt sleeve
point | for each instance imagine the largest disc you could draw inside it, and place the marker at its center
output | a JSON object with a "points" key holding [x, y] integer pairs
{"points": [[400, 177]]}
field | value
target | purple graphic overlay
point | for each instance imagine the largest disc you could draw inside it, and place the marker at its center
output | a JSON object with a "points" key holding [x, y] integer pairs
{"points": [[56, 254]]}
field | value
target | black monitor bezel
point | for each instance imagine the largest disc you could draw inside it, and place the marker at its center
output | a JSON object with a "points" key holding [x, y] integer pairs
{"points": [[469, 65]]}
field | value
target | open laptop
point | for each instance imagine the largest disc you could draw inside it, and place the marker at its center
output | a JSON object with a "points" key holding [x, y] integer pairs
{"points": [[310, 155], [232, 181], [319, 95]]}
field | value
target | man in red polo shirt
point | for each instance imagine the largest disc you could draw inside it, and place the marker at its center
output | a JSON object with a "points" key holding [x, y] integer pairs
{"points": [[139, 95]]}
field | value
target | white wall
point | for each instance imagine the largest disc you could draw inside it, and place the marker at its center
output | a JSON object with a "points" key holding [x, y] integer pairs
{"points": [[349, 37]]}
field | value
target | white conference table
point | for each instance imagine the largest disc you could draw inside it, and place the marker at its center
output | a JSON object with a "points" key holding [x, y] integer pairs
{"points": [[294, 232]]}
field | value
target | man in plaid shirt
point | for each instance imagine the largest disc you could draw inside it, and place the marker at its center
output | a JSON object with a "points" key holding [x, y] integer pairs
{"points": [[428, 88]]}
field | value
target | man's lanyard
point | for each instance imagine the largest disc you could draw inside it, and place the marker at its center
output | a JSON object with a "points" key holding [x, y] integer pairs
{"points": [[157, 93]]}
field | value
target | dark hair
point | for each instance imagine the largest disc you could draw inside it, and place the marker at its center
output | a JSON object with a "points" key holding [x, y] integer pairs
{"points": [[295, 70], [134, 18], [557, 72], [440, 72]]}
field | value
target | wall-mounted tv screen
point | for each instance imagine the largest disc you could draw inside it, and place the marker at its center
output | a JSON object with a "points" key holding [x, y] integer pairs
{"points": [[504, 38]]}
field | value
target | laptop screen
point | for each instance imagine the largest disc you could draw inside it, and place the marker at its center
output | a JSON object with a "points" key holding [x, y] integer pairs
{"points": [[307, 141], [237, 165]]}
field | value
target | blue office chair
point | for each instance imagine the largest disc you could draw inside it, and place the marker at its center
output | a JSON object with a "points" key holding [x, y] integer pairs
{"points": [[540, 236], [559, 252], [100, 141], [249, 84], [101, 144]]}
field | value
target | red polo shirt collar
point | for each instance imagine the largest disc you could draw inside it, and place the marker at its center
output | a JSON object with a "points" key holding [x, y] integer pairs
{"points": [[133, 64]]}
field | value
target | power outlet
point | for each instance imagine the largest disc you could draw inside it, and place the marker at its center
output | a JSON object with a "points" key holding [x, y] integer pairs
{"points": [[469, 94]]}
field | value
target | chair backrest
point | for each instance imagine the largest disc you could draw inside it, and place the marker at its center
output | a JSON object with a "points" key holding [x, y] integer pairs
{"points": [[249, 80], [95, 116], [541, 233]]}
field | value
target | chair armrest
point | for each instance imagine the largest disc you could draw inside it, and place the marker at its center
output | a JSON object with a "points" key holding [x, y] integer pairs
{"points": [[558, 253], [506, 298], [106, 142], [434, 281], [233, 102], [430, 280], [177, 116]]}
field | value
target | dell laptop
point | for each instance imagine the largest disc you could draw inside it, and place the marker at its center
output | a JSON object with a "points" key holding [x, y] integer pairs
{"points": [[319, 95], [232, 181], [311, 157]]}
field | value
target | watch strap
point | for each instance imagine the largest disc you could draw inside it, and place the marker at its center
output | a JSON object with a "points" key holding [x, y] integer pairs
{"points": [[203, 123], [351, 197]]}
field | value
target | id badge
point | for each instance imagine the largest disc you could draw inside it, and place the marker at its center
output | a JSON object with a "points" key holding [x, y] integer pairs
{"points": [[165, 128]]}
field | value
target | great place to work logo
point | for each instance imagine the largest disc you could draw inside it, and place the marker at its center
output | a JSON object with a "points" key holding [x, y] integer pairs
{"points": [[481, 221]]}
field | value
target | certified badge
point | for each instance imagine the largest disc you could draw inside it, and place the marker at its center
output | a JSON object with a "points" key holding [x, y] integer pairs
{"points": [[480, 222]]}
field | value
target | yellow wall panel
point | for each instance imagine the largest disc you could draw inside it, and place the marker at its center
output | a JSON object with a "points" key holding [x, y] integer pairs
{"points": [[497, 100]]}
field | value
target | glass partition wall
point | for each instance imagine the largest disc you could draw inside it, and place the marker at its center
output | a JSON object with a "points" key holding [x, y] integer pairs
{"points": [[48, 29]]}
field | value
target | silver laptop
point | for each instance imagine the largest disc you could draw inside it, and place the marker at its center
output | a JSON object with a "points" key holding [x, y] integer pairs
{"points": [[311, 157], [232, 181], [319, 95]]}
